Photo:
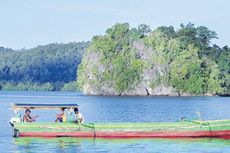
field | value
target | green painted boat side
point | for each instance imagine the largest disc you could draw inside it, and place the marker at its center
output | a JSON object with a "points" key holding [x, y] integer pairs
{"points": [[158, 127]]}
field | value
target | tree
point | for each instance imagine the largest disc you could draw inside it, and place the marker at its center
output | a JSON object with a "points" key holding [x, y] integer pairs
{"points": [[169, 32], [144, 29], [185, 72], [43, 64], [134, 34], [125, 58], [204, 35], [224, 66], [211, 74]]}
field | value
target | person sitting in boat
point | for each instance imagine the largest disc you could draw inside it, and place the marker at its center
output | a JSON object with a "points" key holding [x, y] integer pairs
{"points": [[28, 118], [62, 116], [79, 116]]}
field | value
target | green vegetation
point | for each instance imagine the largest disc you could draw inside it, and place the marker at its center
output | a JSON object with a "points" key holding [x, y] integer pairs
{"points": [[27, 86], [122, 69], [71, 86], [126, 58], [47, 67]]}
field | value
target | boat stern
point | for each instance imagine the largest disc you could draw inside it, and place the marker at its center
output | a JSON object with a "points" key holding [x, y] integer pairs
{"points": [[13, 120]]}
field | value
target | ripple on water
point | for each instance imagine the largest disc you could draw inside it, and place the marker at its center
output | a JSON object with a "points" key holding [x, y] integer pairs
{"points": [[116, 109]]}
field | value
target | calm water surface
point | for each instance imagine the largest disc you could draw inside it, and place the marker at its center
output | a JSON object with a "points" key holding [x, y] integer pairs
{"points": [[115, 109]]}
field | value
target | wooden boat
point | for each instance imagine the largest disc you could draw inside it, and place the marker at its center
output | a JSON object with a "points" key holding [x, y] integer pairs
{"points": [[180, 129]]}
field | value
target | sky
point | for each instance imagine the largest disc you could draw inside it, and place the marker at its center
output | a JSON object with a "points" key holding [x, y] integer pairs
{"points": [[29, 23]]}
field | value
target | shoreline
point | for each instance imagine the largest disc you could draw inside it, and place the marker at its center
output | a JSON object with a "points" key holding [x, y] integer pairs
{"points": [[122, 95]]}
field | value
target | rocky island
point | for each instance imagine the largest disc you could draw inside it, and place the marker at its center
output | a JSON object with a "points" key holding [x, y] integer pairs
{"points": [[164, 61]]}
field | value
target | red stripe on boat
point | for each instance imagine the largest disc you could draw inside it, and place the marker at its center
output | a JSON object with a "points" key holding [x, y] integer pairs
{"points": [[127, 134]]}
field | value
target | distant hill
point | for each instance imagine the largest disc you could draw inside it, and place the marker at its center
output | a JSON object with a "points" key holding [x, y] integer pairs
{"points": [[163, 61], [51, 65], [5, 50]]}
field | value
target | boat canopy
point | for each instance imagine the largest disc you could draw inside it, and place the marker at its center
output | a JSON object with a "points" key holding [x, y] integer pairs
{"points": [[43, 106]]}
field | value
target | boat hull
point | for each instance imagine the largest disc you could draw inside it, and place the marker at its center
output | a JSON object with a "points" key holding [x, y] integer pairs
{"points": [[192, 129], [126, 134]]}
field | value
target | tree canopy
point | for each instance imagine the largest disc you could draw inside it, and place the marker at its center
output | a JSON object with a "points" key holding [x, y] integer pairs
{"points": [[53, 63], [183, 59]]}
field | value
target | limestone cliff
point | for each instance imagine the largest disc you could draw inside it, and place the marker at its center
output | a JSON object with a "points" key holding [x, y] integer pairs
{"points": [[163, 62]]}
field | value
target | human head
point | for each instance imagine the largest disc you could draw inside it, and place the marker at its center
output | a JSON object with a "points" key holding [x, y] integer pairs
{"points": [[62, 109], [76, 110], [28, 111]]}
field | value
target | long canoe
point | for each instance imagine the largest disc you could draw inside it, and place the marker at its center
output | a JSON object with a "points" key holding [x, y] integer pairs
{"points": [[184, 129]]}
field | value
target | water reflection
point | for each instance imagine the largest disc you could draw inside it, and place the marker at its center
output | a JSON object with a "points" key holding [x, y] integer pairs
{"points": [[119, 145], [115, 109]]}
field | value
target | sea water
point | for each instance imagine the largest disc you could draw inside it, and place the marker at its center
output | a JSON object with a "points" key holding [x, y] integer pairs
{"points": [[115, 109]]}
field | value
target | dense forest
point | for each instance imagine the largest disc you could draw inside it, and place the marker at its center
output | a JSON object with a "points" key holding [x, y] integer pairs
{"points": [[163, 61], [124, 61], [49, 67]]}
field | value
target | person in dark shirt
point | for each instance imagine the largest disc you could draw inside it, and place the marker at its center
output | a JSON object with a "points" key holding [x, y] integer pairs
{"points": [[28, 118]]}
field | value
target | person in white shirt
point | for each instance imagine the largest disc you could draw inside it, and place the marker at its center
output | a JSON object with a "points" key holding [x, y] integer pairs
{"points": [[79, 116]]}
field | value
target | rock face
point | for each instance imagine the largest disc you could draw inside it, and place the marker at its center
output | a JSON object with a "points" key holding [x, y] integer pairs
{"points": [[162, 62], [150, 73]]}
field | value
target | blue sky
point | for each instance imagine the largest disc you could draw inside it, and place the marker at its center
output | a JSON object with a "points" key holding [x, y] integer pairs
{"points": [[28, 23]]}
